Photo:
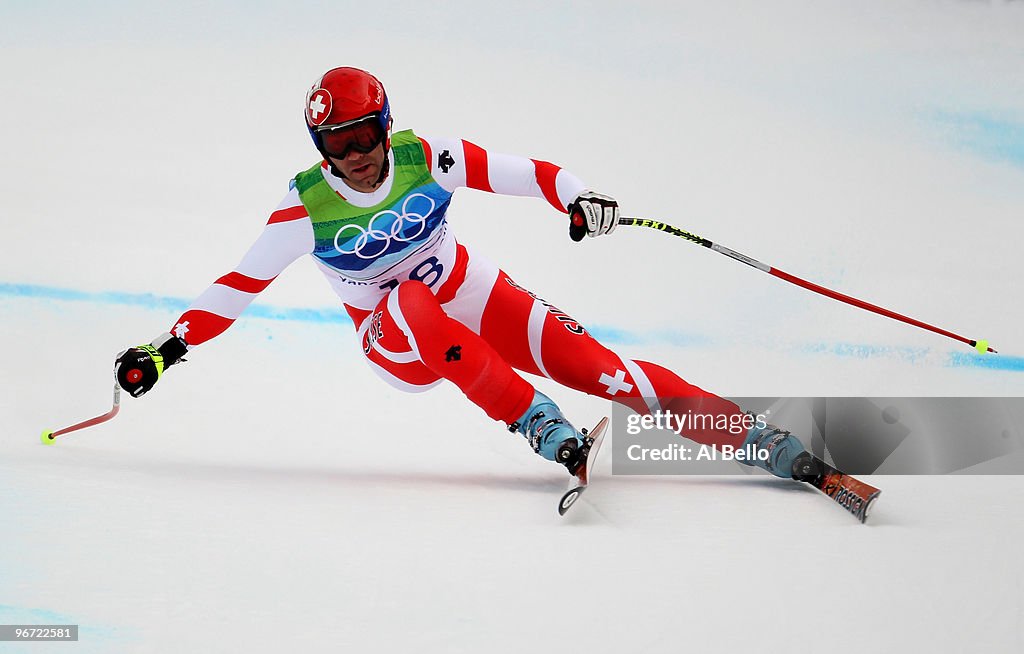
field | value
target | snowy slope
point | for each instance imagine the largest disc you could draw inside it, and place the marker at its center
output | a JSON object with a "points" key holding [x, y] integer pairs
{"points": [[273, 494]]}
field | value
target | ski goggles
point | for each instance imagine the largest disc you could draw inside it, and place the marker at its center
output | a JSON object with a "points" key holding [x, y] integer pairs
{"points": [[362, 135]]}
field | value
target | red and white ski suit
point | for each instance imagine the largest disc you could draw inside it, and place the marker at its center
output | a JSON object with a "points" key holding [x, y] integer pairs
{"points": [[473, 325]]}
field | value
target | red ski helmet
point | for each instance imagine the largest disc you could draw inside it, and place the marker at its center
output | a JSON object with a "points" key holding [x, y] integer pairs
{"points": [[344, 99]]}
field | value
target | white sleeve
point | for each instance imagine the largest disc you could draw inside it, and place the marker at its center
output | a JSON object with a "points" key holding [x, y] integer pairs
{"points": [[456, 162], [287, 236]]}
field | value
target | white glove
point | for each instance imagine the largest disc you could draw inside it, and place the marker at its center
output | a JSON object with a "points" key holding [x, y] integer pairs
{"points": [[598, 214]]}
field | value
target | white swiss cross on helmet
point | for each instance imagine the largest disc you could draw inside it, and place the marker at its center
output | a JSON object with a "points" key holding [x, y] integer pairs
{"points": [[318, 106]]}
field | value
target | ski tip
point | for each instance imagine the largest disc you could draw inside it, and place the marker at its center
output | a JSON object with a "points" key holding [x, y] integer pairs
{"points": [[47, 437]]}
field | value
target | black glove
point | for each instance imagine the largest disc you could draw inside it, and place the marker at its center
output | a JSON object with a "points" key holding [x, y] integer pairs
{"points": [[139, 368], [592, 214]]}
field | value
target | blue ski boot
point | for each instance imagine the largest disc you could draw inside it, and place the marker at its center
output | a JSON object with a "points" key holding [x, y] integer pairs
{"points": [[785, 456], [550, 434]]}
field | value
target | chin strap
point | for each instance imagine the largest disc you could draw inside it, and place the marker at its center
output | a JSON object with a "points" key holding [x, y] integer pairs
{"points": [[384, 170]]}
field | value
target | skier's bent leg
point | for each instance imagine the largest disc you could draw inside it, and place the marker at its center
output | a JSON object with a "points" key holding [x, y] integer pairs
{"points": [[452, 351], [411, 317], [558, 347]]}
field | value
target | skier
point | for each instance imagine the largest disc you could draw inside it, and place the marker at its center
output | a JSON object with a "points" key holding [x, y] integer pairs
{"points": [[427, 307]]}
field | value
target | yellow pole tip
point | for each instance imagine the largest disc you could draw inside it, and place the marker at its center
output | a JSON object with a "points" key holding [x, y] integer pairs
{"points": [[47, 437], [981, 347]]}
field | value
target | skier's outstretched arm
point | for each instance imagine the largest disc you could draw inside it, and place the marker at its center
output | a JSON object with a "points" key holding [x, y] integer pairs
{"points": [[286, 236], [456, 162]]}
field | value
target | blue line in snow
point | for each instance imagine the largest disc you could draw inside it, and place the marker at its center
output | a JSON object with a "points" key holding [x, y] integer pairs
{"points": [[915, 355], [166, 303], [984, 134], [610, 335], [861, 351], [990, 361]]}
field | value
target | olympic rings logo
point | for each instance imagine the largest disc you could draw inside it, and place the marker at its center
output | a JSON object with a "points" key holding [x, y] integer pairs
{"points": [[379, 240]]}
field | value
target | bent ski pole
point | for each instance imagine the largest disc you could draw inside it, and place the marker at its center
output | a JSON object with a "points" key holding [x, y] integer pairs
{"points": [[48, 437], [980, 345]]}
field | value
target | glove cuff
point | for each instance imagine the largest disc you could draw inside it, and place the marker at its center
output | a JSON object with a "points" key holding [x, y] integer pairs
{"points": [[169, 348], [154, 354]]}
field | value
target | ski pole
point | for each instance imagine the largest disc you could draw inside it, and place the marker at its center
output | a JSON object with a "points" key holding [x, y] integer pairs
{"points": [[980, 345], [48, 437]]}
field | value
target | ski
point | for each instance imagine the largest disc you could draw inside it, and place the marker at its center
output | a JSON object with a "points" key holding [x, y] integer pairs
{"points": [[578, 482], [852, 494]]}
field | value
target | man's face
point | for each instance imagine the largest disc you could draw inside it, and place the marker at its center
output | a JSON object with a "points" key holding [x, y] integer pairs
{"points": [[361, 170]]}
